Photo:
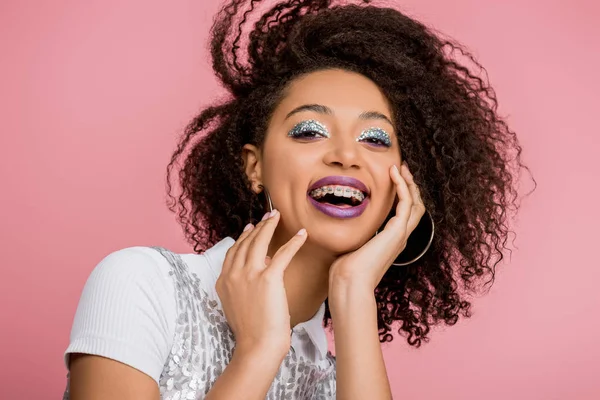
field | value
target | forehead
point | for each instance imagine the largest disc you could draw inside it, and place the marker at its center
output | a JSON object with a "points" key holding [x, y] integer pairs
{"points": [[339, 90]]}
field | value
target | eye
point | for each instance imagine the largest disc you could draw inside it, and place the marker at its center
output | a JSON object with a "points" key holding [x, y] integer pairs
{"points": [[305, 134], [310, 129], [376, 141], [375, 136]]}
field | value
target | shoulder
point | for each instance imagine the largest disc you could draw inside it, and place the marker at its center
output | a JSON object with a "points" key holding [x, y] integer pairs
{"points": [[127, 310], [134, 273], [154, 266], [141, 261]]}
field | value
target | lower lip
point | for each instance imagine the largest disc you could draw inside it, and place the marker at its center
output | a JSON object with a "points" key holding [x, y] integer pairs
{"points": [[339, 212]]}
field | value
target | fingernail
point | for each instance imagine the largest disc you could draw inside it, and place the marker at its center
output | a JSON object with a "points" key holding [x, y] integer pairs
{"points": [[301, 232], [396, 168], [247, 227], [273, 213], [265, 216]]}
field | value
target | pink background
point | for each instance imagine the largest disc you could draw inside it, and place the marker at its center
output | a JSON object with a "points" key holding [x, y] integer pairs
{"points": [[95, 92]]}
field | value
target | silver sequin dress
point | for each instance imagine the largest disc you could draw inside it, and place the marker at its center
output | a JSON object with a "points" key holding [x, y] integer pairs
{"points": [[203, 345]]}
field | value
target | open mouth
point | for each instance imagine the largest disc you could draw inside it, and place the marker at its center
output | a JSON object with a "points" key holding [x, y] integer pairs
{"points": [[338, 196]]}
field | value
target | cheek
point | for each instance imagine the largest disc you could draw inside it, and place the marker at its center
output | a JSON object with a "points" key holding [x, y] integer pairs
{"points": [[288, 164], [281, 169], [287, 176], [384, 186]]}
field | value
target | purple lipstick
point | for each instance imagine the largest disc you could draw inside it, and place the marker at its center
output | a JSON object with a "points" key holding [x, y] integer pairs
{"points": [[335, 211]]}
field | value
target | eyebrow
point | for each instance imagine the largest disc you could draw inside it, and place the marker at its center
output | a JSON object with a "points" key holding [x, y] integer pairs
{"points": [[321, 109]]}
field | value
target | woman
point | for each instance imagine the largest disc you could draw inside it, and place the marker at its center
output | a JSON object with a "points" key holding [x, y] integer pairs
{"points": [[346, 129]]}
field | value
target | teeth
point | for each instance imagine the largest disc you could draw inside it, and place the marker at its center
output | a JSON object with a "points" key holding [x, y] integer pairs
{"points": [[340, 191]]}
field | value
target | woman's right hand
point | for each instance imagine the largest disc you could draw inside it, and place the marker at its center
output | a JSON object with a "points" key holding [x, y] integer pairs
{"points": [[251, 288]]}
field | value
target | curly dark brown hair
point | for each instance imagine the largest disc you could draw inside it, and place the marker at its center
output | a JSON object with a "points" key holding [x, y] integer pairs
{"points": [[463, 156]]}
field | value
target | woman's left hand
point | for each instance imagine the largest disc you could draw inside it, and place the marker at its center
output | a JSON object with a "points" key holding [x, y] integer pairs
{"points": [[366, 266]]}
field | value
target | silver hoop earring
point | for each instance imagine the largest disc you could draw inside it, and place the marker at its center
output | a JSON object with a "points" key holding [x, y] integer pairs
{"points": [[268, 197], [417, 243]]}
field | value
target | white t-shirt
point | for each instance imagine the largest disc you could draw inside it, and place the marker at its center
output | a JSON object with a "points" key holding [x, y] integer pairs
{"points": [[159, 312]]}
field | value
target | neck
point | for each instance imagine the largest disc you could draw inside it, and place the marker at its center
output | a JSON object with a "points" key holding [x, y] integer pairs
{"points": [[306, 279]]}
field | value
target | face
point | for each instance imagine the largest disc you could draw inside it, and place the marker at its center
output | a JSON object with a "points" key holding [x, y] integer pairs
{"points": [[326, 159]]}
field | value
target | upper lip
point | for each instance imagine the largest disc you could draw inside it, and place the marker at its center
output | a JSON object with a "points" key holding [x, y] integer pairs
{"points": [[340, 181]]}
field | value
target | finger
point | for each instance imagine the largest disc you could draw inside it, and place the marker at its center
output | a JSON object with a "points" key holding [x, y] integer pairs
{"points": [[418, 208], [284, 255], [260, 240], [241, 254], [405, 202], [231, 254], [394, 235]]}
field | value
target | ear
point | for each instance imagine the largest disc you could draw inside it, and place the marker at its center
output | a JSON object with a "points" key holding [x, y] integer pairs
{"points": [[252, 166]]}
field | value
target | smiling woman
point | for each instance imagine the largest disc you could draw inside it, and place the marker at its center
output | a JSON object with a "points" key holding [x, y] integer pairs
{"points": [[345, 126]]}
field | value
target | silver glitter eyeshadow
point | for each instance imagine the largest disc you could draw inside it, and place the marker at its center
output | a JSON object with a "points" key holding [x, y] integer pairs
{"points": [[375, 133], [309, 126]]}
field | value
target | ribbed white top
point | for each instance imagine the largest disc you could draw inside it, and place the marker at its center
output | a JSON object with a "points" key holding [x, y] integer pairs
{"points": [[127, 311]]}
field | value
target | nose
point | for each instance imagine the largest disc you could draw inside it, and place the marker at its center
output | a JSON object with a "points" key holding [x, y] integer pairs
{"points": [[343, 152]]}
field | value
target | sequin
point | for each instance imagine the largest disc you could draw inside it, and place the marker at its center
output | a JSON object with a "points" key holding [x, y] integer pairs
{"points": [[203, 345]]}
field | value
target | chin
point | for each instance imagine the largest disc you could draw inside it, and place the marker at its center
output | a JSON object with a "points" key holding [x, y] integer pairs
{"points": [[338, 241]]}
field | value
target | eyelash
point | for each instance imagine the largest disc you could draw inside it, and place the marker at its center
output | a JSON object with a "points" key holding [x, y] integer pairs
{"points": [[305, 134], [377, 142]]}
